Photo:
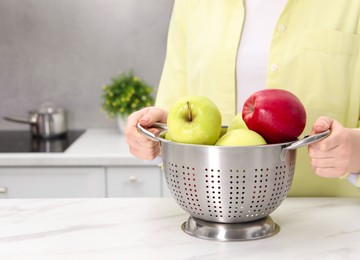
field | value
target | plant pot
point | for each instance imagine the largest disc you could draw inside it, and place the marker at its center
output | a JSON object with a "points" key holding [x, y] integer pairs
{"points": [[121, 122]]}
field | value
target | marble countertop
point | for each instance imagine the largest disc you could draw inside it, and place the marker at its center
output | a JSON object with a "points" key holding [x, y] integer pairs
{"points": [[122, 228], [96, 147]]}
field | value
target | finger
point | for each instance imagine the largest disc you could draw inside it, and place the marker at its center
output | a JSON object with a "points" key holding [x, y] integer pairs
{"points": [[141, 141], [336, 140], [145, 153], [328, 162], [147, 117], [153, 115], [336, 162], [324, 150], [134, 118], [338, 153], [143, 148], [139, 145], [322, 124], [329, 172]]}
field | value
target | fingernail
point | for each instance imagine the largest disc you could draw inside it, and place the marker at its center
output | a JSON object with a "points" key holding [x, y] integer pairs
{"points": [[320, 124], [145, 119]]}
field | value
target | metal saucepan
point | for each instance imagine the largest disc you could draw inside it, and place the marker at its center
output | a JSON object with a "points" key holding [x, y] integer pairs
{"points": [[46, 122]]}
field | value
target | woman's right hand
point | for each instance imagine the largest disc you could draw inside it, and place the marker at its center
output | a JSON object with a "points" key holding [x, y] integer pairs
{"points": [[139, 145]]}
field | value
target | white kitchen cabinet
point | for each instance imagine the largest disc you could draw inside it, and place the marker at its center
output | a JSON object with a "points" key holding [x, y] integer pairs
{"points": [[98, 164], [52, 182], [134, 181]]}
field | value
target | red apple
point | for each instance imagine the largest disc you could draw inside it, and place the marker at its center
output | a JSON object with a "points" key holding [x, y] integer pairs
{"points": [[277, 115]]}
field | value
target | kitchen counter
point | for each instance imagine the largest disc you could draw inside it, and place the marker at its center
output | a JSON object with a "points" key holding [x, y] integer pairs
{"points": [[310, 228], [95, 147]]}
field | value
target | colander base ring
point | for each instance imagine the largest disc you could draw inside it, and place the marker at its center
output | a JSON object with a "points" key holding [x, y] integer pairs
{"points": [[245, 231]]}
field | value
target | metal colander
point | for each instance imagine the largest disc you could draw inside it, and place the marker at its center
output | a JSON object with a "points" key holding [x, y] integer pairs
{"points": [[229, 184]]}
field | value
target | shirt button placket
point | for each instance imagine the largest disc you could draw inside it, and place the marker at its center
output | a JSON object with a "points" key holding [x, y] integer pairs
{"points": [[274, 67], [280, 28]]}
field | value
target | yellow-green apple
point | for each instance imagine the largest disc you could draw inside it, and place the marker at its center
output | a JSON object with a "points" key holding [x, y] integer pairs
{"points": [[241, 137], [237, 122], [194, 120], [167, 136], [277, 115]]}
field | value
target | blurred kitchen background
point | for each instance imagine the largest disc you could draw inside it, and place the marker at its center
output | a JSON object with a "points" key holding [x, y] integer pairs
{"points": [[64, 51]]}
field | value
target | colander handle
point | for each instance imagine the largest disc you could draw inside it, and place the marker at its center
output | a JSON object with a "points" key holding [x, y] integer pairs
{"points": [[309, 139], [150, 135]]}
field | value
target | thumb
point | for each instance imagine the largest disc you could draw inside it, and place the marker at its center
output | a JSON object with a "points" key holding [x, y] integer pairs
{"points": [[153, 115], [321, 124]]}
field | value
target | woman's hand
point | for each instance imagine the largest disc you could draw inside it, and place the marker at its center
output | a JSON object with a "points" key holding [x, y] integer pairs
{"points": [[139, 145], [337, 154]]}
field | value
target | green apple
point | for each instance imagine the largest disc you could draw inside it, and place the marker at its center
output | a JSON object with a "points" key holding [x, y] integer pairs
{"points": [[241, 137], [237, 123], [167, 136], [194, 120]]}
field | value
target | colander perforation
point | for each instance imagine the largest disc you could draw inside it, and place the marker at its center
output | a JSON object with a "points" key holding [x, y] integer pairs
{"points": [[228, 185], [212, 181]]}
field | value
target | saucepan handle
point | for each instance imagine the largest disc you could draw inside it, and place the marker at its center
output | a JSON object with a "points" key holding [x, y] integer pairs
{"points": [[309, 139], [18, 120], [150, 135]]}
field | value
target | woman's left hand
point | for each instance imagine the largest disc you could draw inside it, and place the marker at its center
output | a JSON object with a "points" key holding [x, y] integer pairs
{"points": [[337, 154]]}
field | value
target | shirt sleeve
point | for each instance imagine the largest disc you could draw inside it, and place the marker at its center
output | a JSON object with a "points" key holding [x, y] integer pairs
{"points": [[354, 178], [173, 79]]}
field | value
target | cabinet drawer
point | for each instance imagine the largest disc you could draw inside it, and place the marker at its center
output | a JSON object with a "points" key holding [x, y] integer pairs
{"points": [[52, 182], [134, 181]]}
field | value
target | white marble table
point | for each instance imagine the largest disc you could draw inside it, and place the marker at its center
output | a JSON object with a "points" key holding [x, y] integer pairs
{"points": [[311, 228]]}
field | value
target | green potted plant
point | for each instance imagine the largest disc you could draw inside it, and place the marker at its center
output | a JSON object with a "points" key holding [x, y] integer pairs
{"points": [[126, 93]]}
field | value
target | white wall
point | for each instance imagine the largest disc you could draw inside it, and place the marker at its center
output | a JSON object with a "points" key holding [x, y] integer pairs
{"points": [[63, 51]]}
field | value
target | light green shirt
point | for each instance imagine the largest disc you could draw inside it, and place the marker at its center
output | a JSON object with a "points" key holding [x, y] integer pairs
{"points": [[314, 54]]}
